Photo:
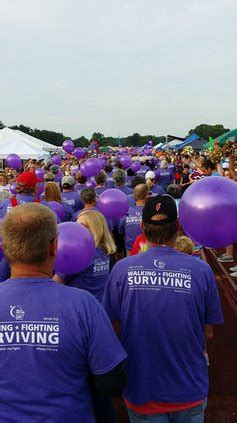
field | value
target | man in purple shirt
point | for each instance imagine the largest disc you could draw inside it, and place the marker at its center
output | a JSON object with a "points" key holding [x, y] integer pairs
{"points": [[129, 225], [68, 194], [150, 178], [56, 342], [165, 302]]}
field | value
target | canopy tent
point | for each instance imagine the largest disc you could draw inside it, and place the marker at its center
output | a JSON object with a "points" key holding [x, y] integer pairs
{"points": [[26, 146], [158, 146], [172, 144], [228, 136], [193, 141]]}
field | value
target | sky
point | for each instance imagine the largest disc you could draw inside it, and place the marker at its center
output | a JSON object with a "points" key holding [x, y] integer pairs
{"points": [[118, 66]]}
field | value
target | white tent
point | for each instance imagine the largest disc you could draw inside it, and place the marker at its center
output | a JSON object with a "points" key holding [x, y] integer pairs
{"points": [[26, 146]]}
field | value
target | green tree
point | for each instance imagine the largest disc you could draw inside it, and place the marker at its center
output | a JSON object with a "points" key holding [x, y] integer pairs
{"points": [[81, 142], [205, 131]]}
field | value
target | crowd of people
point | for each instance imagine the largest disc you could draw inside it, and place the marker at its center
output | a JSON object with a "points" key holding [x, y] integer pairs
{"points": [[135, 323]]}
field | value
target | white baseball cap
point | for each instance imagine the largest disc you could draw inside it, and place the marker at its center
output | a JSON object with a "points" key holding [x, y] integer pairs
{"points": [[150, 175]]}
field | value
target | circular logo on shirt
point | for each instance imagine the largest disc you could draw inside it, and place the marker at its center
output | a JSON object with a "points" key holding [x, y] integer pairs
{"points": [[17, 312]]}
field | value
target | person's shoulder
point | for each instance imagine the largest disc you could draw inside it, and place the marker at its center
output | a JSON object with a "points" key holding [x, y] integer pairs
{"points": [[195, 263], [77, 297]]}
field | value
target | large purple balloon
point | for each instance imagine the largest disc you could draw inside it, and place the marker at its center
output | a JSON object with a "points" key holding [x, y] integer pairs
{"points": [[57, 208], [79, 153], [14, 161], [135, 166], [91, 167], [125, 161], [76, 248], [208, 211], [40, 173], [68, 146], [113, 203], [56, 160]]}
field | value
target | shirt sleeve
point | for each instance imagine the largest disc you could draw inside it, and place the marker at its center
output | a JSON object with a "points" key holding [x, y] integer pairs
{"points": [[122, 225], [104, 350], [111, 298], [213, 311]]}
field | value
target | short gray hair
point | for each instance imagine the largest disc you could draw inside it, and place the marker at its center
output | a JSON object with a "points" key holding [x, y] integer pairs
{"points": [[27, 231]]}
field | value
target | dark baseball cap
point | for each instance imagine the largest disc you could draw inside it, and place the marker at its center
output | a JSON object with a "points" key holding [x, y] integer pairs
{"points": [[159, 204]]}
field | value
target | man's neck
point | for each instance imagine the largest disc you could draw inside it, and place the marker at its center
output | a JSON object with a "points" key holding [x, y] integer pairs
{"points": [[20, 270], [90, 206], [169, 244]]}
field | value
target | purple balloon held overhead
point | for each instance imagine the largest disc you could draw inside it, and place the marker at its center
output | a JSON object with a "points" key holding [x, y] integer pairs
{"points": [[40, 188], [40, 173], [125, 161], [135, 167], [68, 146], [79, 153], [113, 204], [91, 167], [208, 211], [57, 208], [56, 160], [76, 248], [14, 161], [13, 188]]}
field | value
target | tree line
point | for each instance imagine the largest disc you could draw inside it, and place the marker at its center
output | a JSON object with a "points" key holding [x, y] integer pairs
{"points": [[56, 138]]}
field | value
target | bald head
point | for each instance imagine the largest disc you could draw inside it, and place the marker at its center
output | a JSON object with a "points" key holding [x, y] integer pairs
{"points": [[140, 192], [27, 233]]}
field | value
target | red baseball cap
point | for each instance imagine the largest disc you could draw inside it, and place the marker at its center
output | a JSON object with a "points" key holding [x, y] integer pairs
{"points": [[28, 178]]}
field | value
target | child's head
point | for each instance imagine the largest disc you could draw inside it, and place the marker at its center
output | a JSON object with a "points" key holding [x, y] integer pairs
{"points": [[184, 244]]}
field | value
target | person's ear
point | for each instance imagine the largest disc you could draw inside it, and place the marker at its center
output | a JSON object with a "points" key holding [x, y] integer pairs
{"points": [[53, 249]]}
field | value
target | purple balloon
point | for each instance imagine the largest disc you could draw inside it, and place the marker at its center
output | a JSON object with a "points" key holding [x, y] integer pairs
{"points": [[91, 183], [56, 160], [58, 176], [103, 163], [76, 248], [13, 188], [91, 167], [68, 146], [57, 208], [79, 153], [14, 161], [40, 173], [150, 142], [135, 166], [125, 161], [208, 211], [40, 188], [75, 170], [113, 204]]}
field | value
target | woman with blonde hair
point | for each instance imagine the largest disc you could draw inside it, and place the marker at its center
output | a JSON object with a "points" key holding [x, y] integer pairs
{"points": [[52, 193], [94, 278]]}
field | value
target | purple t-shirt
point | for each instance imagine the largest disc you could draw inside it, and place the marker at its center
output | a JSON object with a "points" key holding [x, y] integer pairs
{"points": [[131, 200], [163, 299], [130, 225], [94, 278], [109, 183], [51, 337], [125, 189], [6, 206], [73, 199], [79, 187], [157, 189], [99, 190], [165, 176]]}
